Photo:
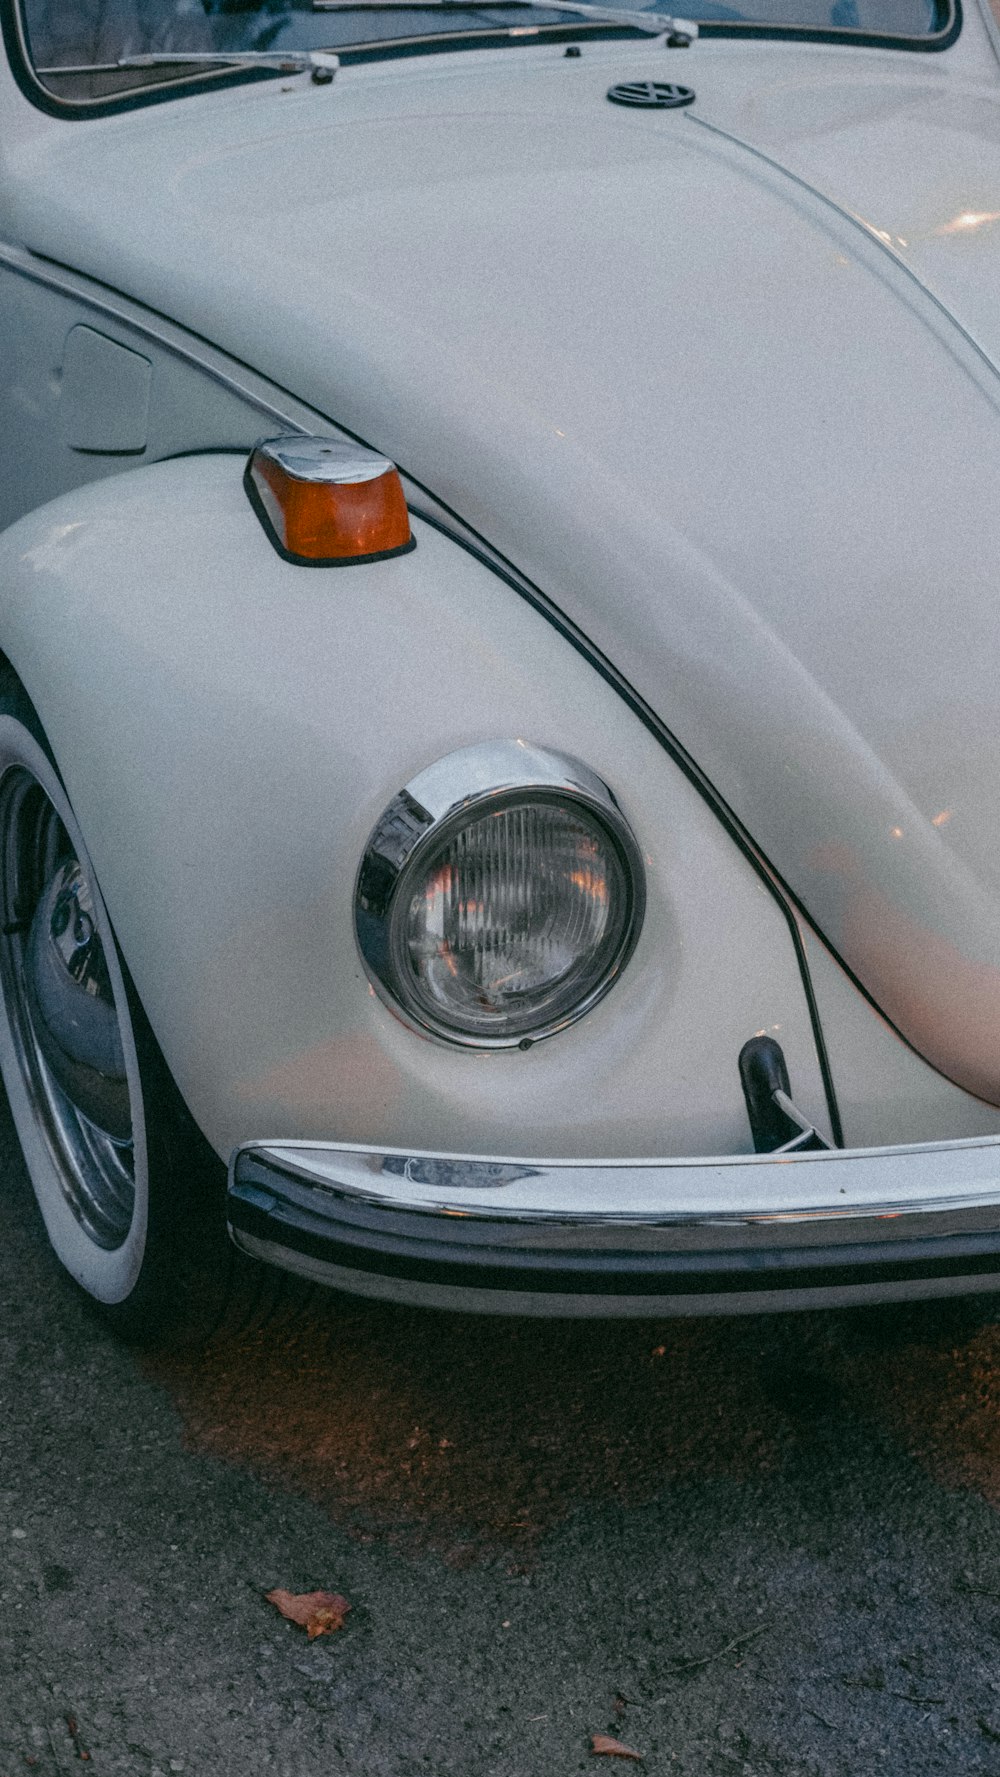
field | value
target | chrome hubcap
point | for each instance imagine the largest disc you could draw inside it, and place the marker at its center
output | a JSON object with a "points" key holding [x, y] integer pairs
{"points": [[62, 1012]]}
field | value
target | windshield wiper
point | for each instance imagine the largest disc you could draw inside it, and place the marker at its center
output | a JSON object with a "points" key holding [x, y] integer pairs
{"points": [[322, 64], [678, 32]]}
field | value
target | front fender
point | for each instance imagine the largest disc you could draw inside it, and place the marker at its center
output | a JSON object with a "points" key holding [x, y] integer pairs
{"points": [[229, 728]]}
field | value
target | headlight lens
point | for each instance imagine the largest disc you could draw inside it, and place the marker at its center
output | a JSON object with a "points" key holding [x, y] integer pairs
{"points": [[504, 915]]}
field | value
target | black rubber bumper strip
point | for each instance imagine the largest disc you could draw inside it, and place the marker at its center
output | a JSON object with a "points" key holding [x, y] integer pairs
{"points": [[322, 1237]]}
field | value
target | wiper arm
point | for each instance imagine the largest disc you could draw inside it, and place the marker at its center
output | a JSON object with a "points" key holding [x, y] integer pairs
{"points": [[322, 64], [678, 32]]}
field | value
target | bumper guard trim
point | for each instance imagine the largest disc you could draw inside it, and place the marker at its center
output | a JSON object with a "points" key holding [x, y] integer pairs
{"points": [[844, 1221]]}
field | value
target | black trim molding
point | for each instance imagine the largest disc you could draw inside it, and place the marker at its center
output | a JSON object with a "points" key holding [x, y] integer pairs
{"points": [[682, 759]]}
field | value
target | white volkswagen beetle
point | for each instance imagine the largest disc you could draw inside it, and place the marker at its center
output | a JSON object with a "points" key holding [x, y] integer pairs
{"points": [[500, 616]]}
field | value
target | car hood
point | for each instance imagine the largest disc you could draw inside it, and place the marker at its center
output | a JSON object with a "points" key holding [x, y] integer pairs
{"points": [[721, 381]]}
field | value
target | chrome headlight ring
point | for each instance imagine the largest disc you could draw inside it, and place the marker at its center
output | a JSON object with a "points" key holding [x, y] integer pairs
{"points": [[499, 896]]}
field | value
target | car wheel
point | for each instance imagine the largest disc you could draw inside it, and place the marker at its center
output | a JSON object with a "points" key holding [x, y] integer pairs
{"points": [[132, 1196]]}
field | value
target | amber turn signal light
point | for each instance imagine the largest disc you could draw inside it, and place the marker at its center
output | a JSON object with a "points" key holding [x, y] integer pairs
{"points": [[324, 502]]}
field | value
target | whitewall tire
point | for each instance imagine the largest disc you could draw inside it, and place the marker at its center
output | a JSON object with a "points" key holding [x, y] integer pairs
{"points": [[131, 1195]]}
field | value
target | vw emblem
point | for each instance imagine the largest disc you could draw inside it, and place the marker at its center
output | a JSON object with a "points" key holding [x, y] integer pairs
{"points": [[650, 94]]}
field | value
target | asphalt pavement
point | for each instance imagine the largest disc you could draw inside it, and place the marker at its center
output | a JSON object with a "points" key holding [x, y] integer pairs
{"points": [[748, 1547]]}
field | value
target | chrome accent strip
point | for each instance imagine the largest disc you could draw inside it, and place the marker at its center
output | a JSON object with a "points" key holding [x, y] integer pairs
{"points": [[654, 24], [875, 236], [727, 1203], [323, 462], [323, 65], [461, 780]]}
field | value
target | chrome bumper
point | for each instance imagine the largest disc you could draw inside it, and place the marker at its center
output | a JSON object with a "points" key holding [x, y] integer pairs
{"points": [[739, 1234]]}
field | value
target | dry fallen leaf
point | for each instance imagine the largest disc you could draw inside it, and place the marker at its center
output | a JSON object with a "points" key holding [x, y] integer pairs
{"points": [[318, 1613], [612, 1748], [74, 1734]]}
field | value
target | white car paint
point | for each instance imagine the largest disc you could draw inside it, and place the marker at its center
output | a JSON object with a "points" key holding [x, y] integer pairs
{"points": [[748, 533], [734, 412], [261, 717]]}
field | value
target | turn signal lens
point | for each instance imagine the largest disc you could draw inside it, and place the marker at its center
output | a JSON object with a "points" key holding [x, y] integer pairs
{"points": [[324, 502]]}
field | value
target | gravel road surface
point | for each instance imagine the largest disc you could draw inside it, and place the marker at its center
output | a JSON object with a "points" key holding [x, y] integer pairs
{"points": [[764, 1546]]}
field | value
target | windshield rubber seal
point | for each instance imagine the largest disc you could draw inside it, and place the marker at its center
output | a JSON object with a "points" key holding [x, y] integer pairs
{"points": [[932, 42], [491, 37], [39, 95]]}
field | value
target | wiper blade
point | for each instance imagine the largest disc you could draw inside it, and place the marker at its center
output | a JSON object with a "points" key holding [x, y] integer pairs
{"points": [[322, 64], [677, 31]]}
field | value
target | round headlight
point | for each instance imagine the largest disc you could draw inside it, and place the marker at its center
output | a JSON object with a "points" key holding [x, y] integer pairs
{"points": [[499, 896]]}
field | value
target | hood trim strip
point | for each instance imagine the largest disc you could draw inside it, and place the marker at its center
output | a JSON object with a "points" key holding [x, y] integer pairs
{"points": [[873, 235]]}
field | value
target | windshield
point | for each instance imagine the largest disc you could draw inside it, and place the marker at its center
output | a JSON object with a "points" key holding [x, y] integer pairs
{"points": [[73, 46]]}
